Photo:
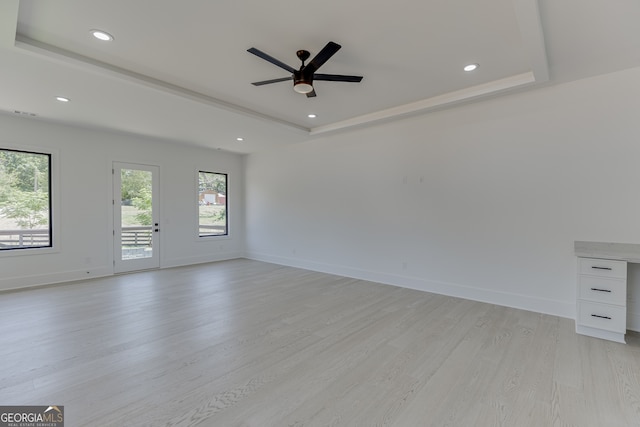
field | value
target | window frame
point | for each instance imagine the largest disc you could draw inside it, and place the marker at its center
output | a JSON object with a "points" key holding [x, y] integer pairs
{"points": [[207, 237], [53, 245]]}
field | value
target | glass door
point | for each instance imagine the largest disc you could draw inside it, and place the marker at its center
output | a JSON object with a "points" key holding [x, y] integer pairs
{"points": [[135, 217]]}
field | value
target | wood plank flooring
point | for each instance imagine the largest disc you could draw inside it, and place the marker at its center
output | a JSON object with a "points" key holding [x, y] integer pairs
{"points": [[246, 343]]}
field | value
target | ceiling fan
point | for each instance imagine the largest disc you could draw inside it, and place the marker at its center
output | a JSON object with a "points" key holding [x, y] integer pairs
{"points": [[304, 77]]}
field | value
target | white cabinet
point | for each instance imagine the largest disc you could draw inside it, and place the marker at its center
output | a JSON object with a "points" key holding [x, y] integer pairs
{"points": [[602, 298]]}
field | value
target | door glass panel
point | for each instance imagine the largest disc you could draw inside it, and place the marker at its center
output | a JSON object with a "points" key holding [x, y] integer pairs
{"points": [[136, 214]]}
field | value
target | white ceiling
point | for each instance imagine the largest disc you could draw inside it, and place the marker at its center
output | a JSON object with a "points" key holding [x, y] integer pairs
{"points": [[180, 71]]}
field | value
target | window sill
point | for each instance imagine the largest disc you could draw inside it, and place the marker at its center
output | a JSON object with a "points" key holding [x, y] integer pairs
{"points": [[27, 252]]}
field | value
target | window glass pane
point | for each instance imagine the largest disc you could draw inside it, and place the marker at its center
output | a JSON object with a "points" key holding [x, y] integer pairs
{"points": [[25, 200], [136, 214], [212, 204]]}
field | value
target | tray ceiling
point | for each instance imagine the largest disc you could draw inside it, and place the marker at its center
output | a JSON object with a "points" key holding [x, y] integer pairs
{"points": [[180, 70]]}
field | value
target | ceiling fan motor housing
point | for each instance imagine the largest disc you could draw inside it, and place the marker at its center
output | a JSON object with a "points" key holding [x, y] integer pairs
{"points": [[302, 83]]}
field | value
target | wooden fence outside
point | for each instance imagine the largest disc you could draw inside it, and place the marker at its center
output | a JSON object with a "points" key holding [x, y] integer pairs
{"points": [[24, 238], [139, 236]]}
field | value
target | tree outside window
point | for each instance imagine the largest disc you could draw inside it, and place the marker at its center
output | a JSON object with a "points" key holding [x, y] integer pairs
{"points": [[25, 199], [212, 204]]}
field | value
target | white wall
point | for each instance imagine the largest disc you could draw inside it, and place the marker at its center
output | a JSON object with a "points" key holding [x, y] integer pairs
{"points": [[483, 201], [84, 219]]}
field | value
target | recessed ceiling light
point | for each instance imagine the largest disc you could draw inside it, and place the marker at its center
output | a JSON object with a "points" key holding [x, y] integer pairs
{"points": [[102, 35], [311, 116], [62, 99], [239, 139], [471, 67]]}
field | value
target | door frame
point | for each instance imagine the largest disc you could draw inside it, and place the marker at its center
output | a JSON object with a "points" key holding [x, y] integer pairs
{"points": [[148, 263]]}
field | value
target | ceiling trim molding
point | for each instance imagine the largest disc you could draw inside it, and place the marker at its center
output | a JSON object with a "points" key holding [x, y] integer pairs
{"points": [[530, 24], [8, 22], [73, 59], [526, 11], [433, 103], [528, 17]]}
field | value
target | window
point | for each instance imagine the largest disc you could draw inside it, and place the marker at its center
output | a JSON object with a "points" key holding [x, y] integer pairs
{"points": [[212, 204], [25, 200]]}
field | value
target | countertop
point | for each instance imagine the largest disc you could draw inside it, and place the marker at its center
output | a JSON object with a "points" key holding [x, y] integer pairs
{"points": [[617, 251]]}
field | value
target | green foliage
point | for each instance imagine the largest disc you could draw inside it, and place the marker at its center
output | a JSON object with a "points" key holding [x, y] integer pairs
{"points": [[142, 202], [28, 208], [212, 181], [24, 188], [220, 216], [27, 171], [136, 189], [212, 215], [133, 183], [5, 185]]}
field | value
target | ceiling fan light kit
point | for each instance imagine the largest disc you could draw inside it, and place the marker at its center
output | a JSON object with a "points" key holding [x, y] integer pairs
{"points": [[302, 87], [303, 78]]}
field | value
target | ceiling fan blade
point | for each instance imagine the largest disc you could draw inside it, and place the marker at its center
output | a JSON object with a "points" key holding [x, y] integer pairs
{"points": [[311, 94], [266, 82], [323, 56], [337, 78], [271, 59]]}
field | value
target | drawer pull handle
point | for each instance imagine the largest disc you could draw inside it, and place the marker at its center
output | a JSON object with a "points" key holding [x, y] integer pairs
{"points": [[601, 317], [601, 268], [600, 290]]}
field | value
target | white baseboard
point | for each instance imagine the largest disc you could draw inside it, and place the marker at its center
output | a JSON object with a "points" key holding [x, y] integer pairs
{"points": [[14, 283], [524, 302], [600, 333], [23, 282], [201, 259], [539, 305]]}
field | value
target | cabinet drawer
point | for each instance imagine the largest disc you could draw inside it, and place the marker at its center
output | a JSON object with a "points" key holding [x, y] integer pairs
{"points": [[603, 267], [602, 289], [602, 316]]}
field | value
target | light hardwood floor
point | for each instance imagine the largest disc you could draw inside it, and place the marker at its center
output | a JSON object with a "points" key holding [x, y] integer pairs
{"points": [[246, 343]]}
